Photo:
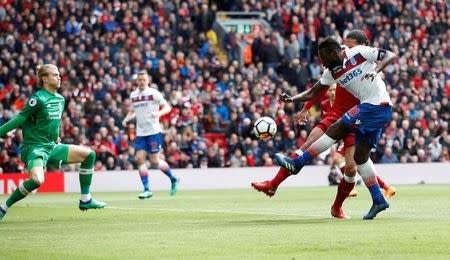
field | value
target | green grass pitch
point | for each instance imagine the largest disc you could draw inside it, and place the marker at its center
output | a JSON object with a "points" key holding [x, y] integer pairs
{"points": [[229, 224]]}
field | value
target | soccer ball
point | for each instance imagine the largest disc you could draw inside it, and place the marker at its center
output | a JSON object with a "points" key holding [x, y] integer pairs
{"points": [[265, 128]]}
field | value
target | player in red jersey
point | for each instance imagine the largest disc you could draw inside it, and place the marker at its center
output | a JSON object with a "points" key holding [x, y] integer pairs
{"points": [[344, 102]]}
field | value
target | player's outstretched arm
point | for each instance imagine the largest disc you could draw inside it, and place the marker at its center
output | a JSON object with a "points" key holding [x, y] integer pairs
{"points": [[32, 106], [305, 95], [12, 124]]}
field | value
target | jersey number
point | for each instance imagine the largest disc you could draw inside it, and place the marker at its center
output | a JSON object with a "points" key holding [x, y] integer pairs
{"points": [[353, 112], [154, 145]]}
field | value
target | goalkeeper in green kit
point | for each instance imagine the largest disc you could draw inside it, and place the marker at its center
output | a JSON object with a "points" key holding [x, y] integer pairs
{"points": [[41, 118]]}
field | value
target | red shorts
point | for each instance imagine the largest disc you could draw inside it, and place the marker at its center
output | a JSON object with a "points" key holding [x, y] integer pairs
{"points": [[327, 122], [349, 139]]}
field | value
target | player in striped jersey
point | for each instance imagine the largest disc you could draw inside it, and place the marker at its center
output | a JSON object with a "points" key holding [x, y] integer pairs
{"points": [[145, 106], [343, 102], [355, 69]]}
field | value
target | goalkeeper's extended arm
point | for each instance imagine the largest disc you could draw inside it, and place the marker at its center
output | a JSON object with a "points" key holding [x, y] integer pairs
{"points": [[12, 124]]}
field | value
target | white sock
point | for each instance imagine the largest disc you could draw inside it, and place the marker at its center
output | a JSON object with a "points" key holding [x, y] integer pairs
{"points": [[162, 165], [321, 145], [143, 168], [350, 179], [368, 173], [85, 197], [4, 207]]}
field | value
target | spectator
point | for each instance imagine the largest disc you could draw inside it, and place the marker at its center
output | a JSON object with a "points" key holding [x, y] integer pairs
{"points": [[268, 162], [436, 149], [388, 156], [270, 55], [333, 177], [230, 44], [235, 159]]}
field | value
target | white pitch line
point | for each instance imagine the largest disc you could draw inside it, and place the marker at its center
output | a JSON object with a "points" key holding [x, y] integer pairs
{"points": [[78, 226], [105, 225], [221, 211], [197, 210]]}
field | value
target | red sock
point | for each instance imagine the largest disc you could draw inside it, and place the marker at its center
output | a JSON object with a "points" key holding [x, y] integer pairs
{"points": [[282, 173], [344, 188], [383, 184]]}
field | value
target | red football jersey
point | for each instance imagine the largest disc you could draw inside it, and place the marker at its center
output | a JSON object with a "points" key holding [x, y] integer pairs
{"points": [[324, 108], [343, 102]]}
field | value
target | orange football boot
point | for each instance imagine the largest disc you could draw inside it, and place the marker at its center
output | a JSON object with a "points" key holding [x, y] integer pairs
{"points": [[353, 193], [390, 191]]}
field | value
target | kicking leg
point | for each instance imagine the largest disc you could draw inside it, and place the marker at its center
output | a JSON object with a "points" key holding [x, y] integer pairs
{"points": [[270, 187], [35, 181], [334, 132], [85, 156]]}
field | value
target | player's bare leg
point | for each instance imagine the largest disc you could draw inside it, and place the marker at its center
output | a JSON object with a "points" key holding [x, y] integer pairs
{"points": [[141, 155], [269, 187], [164, 167], [86, 157]]}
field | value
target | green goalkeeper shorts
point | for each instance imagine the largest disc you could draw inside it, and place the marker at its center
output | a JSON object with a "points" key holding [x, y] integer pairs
{"points": [[52, 155]]}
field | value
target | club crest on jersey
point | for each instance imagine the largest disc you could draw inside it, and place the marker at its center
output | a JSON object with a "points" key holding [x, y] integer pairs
{"points": [[349, 65], [32, 102]]}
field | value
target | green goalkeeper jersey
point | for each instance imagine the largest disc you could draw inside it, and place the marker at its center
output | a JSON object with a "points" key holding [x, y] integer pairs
{"points": [[41, 118]]}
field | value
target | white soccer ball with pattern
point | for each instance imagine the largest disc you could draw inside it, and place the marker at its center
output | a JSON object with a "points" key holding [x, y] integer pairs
{"points": [[265, 128]]}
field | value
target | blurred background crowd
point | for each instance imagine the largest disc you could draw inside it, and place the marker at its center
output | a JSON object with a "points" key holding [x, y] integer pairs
{"points": [[100, 46]]}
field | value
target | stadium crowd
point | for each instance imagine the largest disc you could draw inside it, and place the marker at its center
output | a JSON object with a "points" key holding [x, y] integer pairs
{"points": [[100, 46]]}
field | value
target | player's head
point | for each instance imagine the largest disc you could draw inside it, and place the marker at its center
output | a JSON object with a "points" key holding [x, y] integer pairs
{"points": [[355, 38], [332, 92], [48, 76], [142, 80], [330, 52]]}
